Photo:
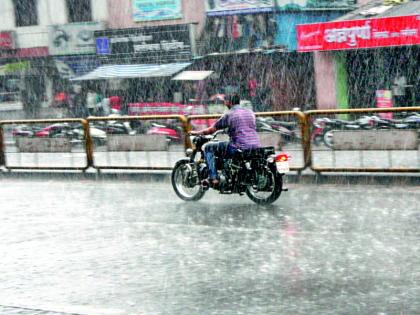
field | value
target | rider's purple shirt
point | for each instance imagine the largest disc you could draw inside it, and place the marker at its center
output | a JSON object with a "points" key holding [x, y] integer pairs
{"points": [[241, 127]]}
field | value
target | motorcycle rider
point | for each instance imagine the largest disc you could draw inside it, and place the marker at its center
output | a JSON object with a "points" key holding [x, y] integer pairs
{"points": [[241, 127]]}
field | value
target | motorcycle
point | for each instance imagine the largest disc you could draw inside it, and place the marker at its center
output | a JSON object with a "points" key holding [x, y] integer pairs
{"points": [[287, 130], [256, 172], [173, 133]]}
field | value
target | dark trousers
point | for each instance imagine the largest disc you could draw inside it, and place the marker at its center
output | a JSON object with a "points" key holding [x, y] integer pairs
{"points": [[221, 149]]}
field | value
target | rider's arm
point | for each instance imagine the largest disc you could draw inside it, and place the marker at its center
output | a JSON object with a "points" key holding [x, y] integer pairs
{"points": [[207, 131], [221, 123]]}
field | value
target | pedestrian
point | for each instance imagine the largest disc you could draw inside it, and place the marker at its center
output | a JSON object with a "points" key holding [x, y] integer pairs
{"points": [[399, 90], [91, 101]]}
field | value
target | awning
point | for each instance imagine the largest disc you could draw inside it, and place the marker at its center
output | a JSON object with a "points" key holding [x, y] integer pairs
{"points": [[133, 71], [192, 75]]}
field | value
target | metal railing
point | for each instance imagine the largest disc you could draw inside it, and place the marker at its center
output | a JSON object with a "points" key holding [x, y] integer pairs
{"points": [[182, 119], [304, 121], [88, 149], [309, 115]]}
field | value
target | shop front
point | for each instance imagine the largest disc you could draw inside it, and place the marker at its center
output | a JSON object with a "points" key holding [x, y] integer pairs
{"points": [[137, 64], [252, 46], [361, 59], [73, 50], [23, 77]]}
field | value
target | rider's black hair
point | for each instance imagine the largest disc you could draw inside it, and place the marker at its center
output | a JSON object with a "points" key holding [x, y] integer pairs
{"points": [[234, 99]]}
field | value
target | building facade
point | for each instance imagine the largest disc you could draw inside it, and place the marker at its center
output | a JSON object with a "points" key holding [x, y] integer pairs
{"points": [[27, 69]]}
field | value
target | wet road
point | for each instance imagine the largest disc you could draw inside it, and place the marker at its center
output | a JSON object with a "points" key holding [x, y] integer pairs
{"points": [[130, 247]]}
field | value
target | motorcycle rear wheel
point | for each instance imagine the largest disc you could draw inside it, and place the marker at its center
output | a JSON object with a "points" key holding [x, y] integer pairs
{"points": [[267, 197], [180, 178]]}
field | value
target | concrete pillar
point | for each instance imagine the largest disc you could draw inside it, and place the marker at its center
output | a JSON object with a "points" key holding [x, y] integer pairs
{"points": [[325, 84], [330, 80]]}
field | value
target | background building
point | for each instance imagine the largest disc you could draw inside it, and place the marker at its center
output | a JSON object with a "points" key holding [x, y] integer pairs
{"points": [[27, 70]]}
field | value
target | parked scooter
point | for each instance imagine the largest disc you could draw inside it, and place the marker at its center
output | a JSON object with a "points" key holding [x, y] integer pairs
{"points": [[173, 133]]}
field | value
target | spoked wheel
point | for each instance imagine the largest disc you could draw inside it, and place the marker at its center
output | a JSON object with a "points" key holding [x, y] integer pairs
{"points": [[328, 138], [267, 188], [185, 182]]}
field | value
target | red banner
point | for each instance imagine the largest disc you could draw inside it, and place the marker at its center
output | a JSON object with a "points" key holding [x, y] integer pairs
{"points": [[355, 34], [384, 100], [7, 40], [163, 108]]}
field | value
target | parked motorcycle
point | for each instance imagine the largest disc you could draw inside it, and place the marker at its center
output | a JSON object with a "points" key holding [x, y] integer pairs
{"points": [[287, 130], [173, 133], [329, 125], [256, 172]]}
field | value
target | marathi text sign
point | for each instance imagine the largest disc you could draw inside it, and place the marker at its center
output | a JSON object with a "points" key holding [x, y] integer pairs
{"points": [[355, 34], [148, 10], [225, 7], [161, 44]]}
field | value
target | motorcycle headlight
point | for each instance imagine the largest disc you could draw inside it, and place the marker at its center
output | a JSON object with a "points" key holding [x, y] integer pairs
{"points": [[189, 152]]}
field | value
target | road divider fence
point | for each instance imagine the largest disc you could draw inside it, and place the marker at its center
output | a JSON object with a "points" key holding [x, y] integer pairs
{"points": [[316, 140]]}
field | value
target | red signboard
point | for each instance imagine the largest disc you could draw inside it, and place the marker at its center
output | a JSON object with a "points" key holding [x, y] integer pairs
{"points": [[7, 40], [355, 34], [162, 108], [384, 100]]}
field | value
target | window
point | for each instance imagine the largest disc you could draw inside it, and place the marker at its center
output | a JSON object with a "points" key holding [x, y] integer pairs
{"points": [[79, 11], [25, 12]]}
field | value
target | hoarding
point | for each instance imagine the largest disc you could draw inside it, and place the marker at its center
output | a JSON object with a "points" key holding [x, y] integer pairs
{"points": [[356, 34], [147, 44], [384, 100], [229, 7], [148, 10], [314, 4], [71, 39]]}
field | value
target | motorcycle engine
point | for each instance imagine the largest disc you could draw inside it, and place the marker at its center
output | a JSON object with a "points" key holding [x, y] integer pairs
{"points": [[203, 170]]}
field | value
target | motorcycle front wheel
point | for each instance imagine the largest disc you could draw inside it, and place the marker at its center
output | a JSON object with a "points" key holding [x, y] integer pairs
{"points": [[267, 189], [185, 183]]}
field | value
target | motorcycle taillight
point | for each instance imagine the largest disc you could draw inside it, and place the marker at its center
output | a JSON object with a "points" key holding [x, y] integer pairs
{"points": [[283, 157]]}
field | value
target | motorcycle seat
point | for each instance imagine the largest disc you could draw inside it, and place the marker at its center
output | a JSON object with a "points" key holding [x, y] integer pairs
{"points": [[254, 152]]}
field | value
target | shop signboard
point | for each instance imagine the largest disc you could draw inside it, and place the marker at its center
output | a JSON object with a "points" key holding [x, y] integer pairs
{"points": [[147, 10], [168, 108], [356, 34], [314, 4], [72, 66], [161, 44], [384, 100], [72, 39], [230, 7], [165, 108], [7, 40], [287, 21]]}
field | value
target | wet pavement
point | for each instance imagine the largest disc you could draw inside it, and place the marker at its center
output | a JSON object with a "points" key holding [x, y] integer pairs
{"points": [[131, 247]]}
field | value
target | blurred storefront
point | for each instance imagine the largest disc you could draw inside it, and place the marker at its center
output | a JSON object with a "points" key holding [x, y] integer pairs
{"points": [[72, 47], [374, 48], [137, 64], [252, 45], [23, 75]]}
